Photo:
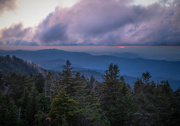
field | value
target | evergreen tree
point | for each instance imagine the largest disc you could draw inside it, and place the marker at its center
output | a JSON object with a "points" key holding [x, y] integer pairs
{"points": [[64, 110], [111, 87], [123, 110], [66, 79], [146, 76], [175, 120], [144, 101], [8, 112], [31, 109], [50, 87], [110, 90], [39, 83], [164, 103]]}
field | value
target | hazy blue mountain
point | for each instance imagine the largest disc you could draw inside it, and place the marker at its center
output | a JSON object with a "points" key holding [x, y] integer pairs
{"points": [[53, 59], [89, 65], [126, 55]]}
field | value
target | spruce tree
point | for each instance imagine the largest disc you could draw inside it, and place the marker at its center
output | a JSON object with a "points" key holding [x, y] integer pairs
{"points": [[64, 110], [110, 89], [66, 79], [8, 112]]}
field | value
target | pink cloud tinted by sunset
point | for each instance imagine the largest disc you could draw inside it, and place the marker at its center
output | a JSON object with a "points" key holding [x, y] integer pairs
{"points": [[102, 22]]}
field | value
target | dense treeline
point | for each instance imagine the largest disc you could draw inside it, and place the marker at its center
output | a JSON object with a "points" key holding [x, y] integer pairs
{"points": [[72, 100]]}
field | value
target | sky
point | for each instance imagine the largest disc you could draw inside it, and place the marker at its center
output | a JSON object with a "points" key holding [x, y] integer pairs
{"points": [[89, 23]]}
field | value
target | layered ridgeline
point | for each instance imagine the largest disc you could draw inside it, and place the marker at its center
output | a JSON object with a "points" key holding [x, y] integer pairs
{"points": [[131, 67], [70, 99], [52, 58]]}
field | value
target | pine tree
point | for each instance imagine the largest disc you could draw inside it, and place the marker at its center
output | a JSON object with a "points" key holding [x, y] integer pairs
{"points": [[175, 120], [164, 103], [64, 110], [50, 87], [123, 110], [146, 76], [8, 112], [32, 106], [144, 101], [66, 79], [111, 87], [39, 83], [110, 90]]}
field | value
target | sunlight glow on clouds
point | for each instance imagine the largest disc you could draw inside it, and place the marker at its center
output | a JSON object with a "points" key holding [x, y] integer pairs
{"points": [[121, 47], [92, 22]]}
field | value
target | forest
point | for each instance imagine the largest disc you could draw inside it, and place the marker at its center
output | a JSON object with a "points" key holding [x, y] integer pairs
{"points": [[70, 99]]}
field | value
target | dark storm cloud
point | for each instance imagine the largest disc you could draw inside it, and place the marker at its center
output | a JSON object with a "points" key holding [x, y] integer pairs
{"points": [[7, 5], [112, 22]]}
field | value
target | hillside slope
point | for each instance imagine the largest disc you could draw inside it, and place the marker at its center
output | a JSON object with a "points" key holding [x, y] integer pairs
{"points": [[14, 64]]}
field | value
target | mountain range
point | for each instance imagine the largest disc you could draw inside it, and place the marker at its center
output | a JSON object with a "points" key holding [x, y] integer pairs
{"points": [[131, 66]]}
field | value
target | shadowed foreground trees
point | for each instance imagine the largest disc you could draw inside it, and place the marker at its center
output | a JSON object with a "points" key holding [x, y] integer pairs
{"points": [[64, 110], [72, 100]]}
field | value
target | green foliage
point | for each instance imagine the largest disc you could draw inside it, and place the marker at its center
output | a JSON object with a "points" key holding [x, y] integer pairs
{"points": [[73, 100], [40, 118], [39, 83], [117, 100], [122, 112], [50, 83], [94, 115], [111, 87], [66, 80], [154, 102], [64, 110], [8, 112]]}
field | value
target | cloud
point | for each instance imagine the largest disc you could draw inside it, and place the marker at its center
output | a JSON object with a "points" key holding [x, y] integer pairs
{"points": [[16, 31], [7, 5], [112, 22], [19, 43], [17, 35], [52, 35], [104, 22]]}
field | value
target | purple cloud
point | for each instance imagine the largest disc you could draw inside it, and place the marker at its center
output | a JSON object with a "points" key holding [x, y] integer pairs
{"points": [[17, 35], [105, 22], [112, 22], [16, 31], [52, 35], [7, 5]]}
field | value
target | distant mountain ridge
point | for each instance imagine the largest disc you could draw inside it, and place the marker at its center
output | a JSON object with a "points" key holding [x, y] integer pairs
{"points": [[125, 55], [18, 65], [13, 64], [53, 58], [130, 67]]}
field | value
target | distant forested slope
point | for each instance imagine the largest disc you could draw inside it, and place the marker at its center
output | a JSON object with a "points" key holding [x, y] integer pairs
{"points": [[14, 64]]}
